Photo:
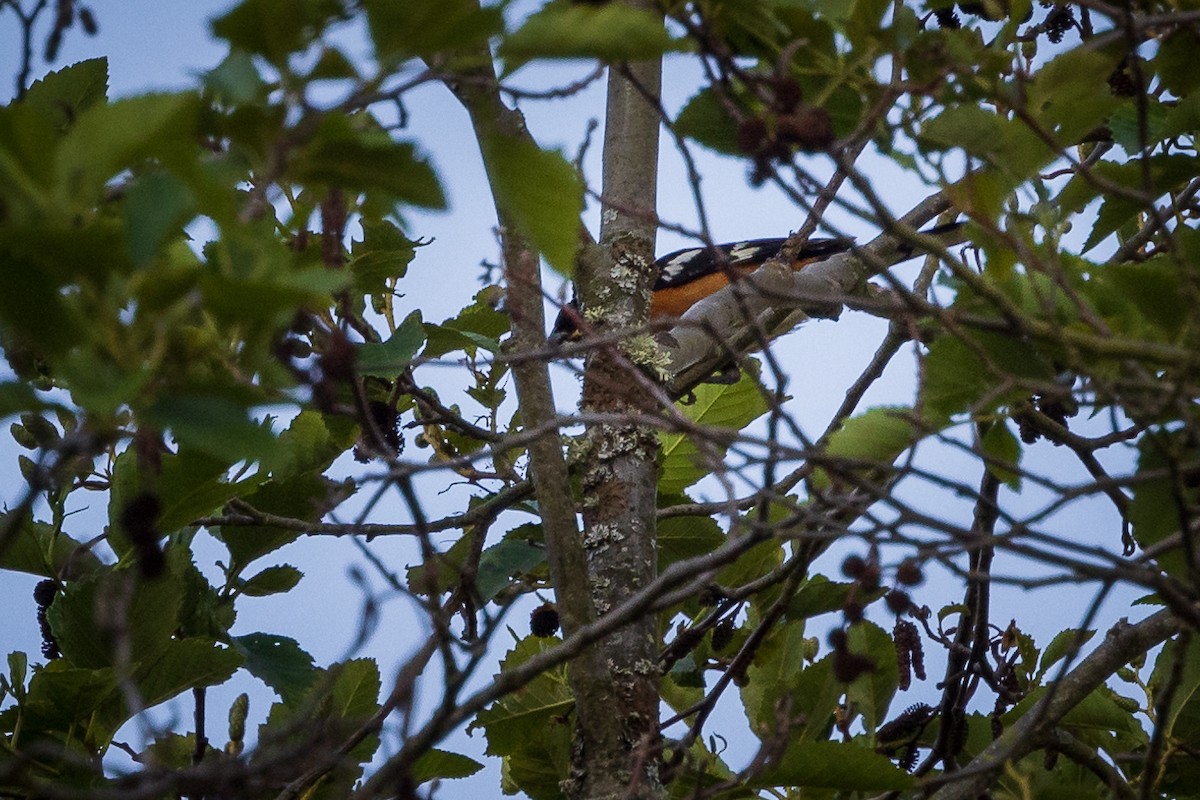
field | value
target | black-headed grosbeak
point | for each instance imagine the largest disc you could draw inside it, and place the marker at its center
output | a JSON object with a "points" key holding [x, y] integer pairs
{"points": [[687, 276]]}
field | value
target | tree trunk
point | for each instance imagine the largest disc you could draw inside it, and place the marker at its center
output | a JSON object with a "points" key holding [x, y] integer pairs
{"points": [[621, 471]]}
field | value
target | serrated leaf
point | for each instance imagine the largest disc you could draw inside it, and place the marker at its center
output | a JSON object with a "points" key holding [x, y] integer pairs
{"points": [[872, 692], [715, 406], [279, 662], [61, 96], [109, 138], [339, 155], [383, 254], [34, 547], [498, 564], [819, 595], [772, 677], [507, 722], [186, 664], [151, 619], [442, 765], [540, 193], [389, 359], [686, 537]]}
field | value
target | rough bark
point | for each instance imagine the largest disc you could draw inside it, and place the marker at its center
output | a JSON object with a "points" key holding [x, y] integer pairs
{"points": [[621, 472]]}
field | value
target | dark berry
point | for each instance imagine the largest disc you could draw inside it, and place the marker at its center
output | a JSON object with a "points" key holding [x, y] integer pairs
{"points": [[854, 567], [909, 573], [722, 634], [543, 620], [1060, 20], [809, 128], [788, 93], [44, 592], [337, 362], [751, 135]]}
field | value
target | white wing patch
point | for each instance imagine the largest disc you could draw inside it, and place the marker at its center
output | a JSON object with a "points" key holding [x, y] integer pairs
{"points": [[744, 251]]}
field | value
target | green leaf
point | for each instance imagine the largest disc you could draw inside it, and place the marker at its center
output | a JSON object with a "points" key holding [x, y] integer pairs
{"points": [[845, 767], [341, 700], [1184, 698], [872, 692], [61, 96], [390, 358], [608, 31], [236, 80], [275, 28], [715, 406], [443, 765], [1156, 289], [508, 722], [272, 580], [1065, 97], [279, 662], [62, 698], [478, 325], [304, 496], [1004, 454], [499, 564], [876, 437], [17, 396], [1126, 125], [426, 27], [1062, 643], [686, 537], [383, 254], [772, 678], [214, 425], [308, 445], [157, 206], [540, 193], [819, 595], [338, 155], [186, 664], [1155, 510], [109, 138], [151, 619], [18, 665], [705, 119], [34, 547], [1175, 63]]}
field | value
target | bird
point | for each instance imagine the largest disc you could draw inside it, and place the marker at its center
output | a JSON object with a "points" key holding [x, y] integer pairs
{"points": [[687, 276]]}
